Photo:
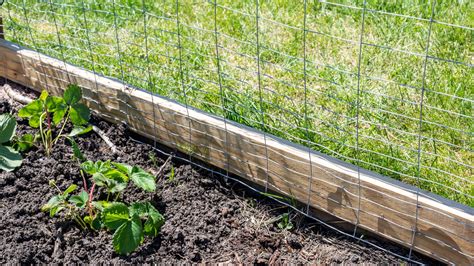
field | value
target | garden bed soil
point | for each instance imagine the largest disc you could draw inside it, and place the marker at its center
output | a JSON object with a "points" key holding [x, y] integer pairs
{"points": [[208, 219]]}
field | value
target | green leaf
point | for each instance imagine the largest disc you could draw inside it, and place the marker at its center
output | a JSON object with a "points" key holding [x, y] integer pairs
{"points": [[115, 187], [54, 205], [79, 200], [54, 104], [35, 108], [101, 204], [44, 94], [79, 130], [124, 168], [7, 127], [89, 167], [115, 215], [53, 211], [76, 151], [100, 179], [24, 143], [142, 179], [96, 223], [58, 115], [140, 209], [128, 236], [116, 175], [34, 121], [73, 94], [79, 114], [9, 158], [155, 221], [70, 189]]}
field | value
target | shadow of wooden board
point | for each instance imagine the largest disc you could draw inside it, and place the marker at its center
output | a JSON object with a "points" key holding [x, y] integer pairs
{"points": [[443, 228]]}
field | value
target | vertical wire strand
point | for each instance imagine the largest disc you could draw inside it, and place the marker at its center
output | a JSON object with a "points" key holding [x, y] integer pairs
{"points": [[149, 81], [420, 128], [260, 92], [35, 47], [221, 90], [359, 61], [89, 45], [117, 42], [61, 46], [308, 136], [181, 75]]}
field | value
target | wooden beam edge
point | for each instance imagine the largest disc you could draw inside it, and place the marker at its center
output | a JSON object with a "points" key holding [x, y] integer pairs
{"points": [[299, 152]]}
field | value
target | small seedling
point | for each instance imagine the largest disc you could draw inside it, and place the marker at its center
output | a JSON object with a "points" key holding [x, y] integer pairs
{"points": [[48, 112], [9, 157], [171, 177], [71, 204], [285, 222]]}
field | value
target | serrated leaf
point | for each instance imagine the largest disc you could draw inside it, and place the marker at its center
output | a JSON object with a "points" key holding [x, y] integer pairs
{"points": [[79, 130], [24, 143], [53, 205], [115, 187], [35, 108], [100, 179], [9, 158], [70, 189], [79, 114], [116, 175], [143, 179], [140, 209], [34, 121], [89, 167], [7, 127], [115, 215], [54, 104], [124, 168], [58, 115], [79, 200], [154, 222], [76, 151], [101, 204], [128, 236], [73, 94]]}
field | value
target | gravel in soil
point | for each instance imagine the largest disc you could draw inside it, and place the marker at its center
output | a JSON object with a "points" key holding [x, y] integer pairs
{"points": [[208, 219]]}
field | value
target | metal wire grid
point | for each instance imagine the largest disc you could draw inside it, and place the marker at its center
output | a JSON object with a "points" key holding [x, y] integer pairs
{"points": [[193, 88]]}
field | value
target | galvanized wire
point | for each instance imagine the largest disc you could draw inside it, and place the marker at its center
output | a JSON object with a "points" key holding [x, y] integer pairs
{"points": [[272, 94]]}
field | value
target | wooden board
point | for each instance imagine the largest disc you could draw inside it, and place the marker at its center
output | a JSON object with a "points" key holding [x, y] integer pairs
{"points": [[444, 229]]}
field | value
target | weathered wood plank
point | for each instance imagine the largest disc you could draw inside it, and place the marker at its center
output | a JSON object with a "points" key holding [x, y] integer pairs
{"points": [[444, 229]]}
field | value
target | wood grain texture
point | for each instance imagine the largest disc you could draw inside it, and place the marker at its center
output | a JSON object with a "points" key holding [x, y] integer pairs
{"points": [[444, 229]]}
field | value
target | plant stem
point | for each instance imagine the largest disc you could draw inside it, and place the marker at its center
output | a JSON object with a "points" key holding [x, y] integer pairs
{"points": [[84, 181], [91, 192], [62, 128], [42, 133]]}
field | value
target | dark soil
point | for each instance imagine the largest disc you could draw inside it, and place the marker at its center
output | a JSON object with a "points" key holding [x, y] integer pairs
{"points": [[207, 218]]}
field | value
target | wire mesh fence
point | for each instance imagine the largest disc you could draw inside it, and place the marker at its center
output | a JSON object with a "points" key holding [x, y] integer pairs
{"points": [[386, 86]]}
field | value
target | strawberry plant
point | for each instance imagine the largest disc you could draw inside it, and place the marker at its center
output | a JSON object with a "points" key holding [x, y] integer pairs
{"points": [[48, 112], [129, 223], [9, 157], [70, 204]]}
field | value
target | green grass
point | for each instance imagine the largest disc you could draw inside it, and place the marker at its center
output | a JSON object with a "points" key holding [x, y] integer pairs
{"points": [[389, 86]]}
